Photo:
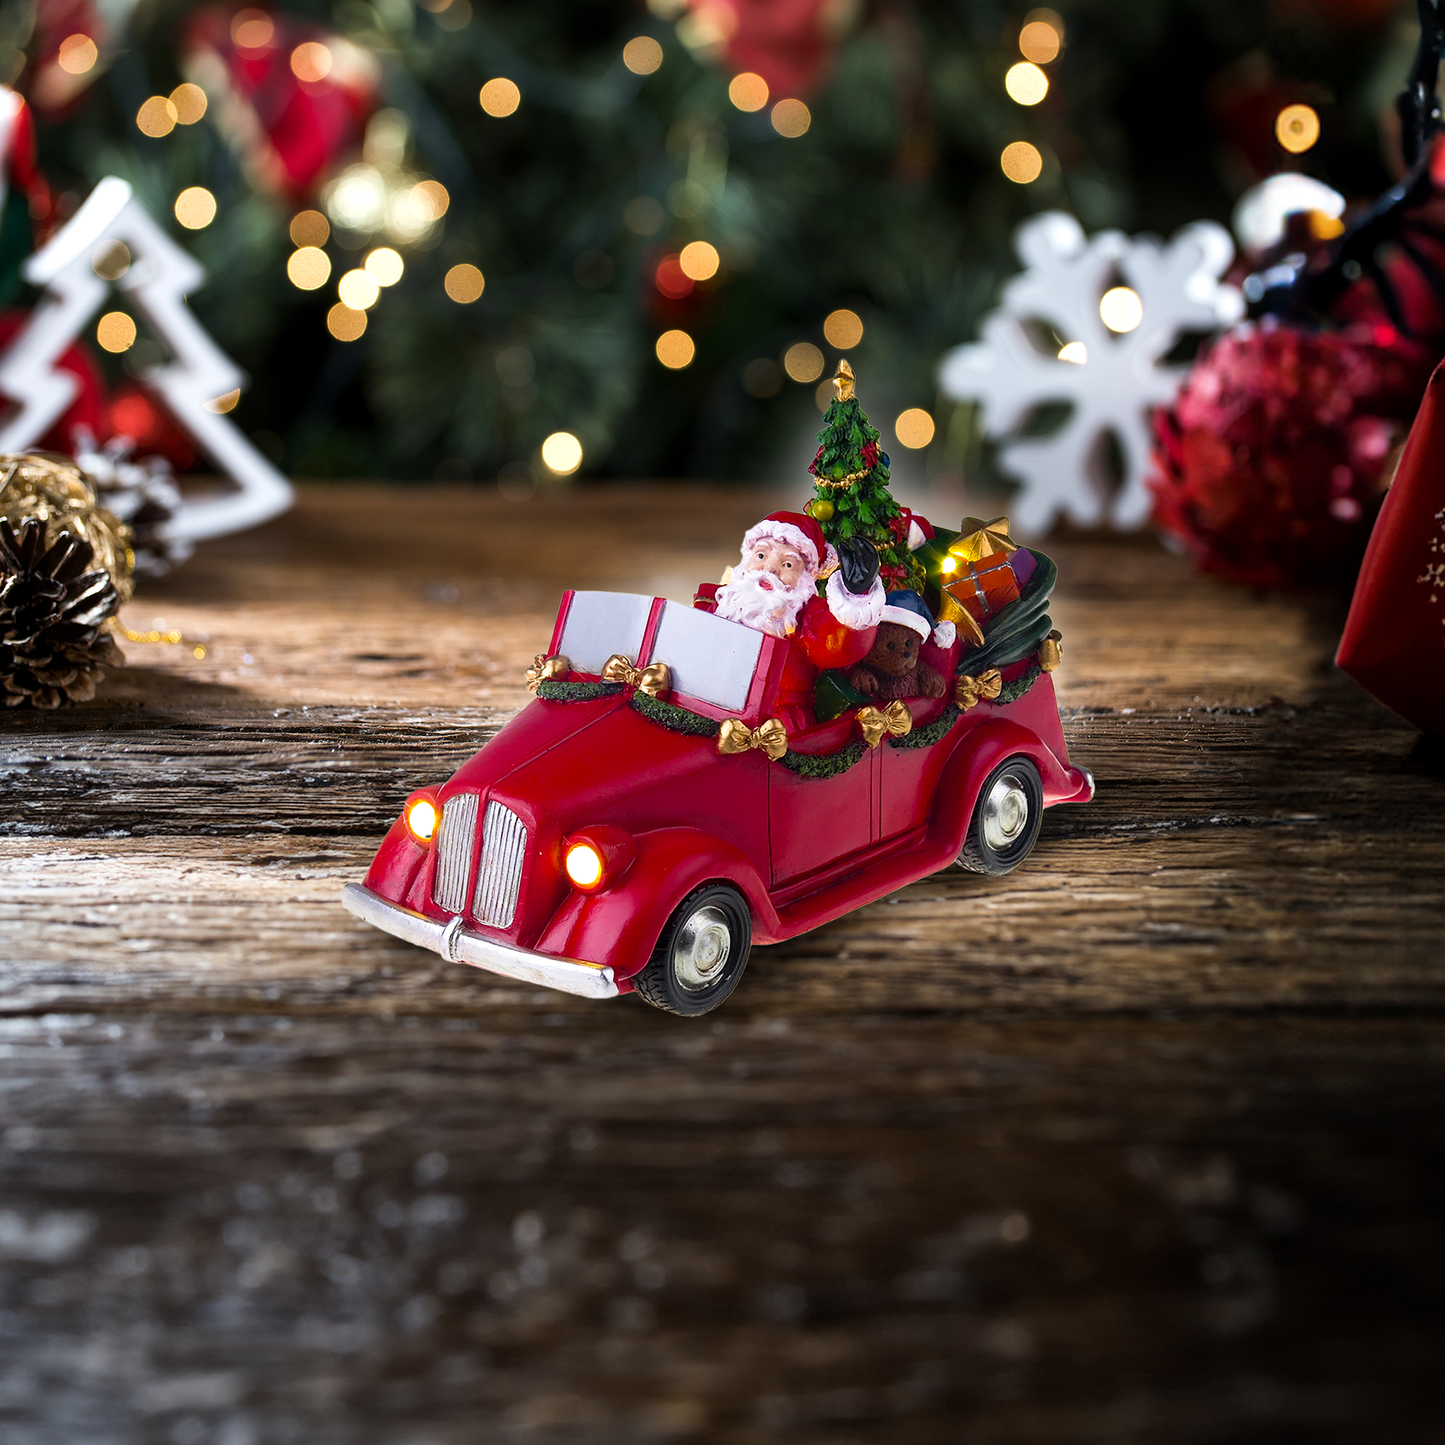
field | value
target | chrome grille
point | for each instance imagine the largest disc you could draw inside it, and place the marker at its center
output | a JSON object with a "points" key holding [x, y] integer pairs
{"points": [[454, 852], [499, 879]]}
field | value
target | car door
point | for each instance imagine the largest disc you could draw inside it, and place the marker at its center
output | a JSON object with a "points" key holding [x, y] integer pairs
{"points": [[815, 823]]}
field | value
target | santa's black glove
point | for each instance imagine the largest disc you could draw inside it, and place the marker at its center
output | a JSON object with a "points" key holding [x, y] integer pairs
{"points": [[858, 562]]}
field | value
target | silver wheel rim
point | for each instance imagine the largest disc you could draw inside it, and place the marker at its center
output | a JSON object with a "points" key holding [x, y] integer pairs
{"points": [[701, 950], [1005, 813]]}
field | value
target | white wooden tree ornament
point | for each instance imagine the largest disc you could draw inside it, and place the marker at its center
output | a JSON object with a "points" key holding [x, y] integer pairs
{"points": [[1111, 379], [155, 283]]}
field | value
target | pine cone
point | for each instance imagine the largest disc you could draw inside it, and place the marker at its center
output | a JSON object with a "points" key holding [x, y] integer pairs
{"points": [[53, 613]]}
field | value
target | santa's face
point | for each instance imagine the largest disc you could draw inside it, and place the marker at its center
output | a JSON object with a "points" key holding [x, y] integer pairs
{"points": [[769, 587]]}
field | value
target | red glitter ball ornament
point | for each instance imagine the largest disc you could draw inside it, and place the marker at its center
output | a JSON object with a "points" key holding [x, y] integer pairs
{"points": [[1270, 464]]}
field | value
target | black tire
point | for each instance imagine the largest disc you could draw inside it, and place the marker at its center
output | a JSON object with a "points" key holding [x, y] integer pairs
{"points": [[701, 954], [1006, 819]]}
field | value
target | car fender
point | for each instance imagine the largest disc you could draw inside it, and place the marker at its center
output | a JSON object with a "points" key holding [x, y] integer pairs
{"points": [[979, 752], [620, 925], [395, 869]]}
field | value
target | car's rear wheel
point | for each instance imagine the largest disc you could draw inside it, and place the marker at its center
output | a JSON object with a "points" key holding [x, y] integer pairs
{"points": [[701, 954], [1006, 819]]}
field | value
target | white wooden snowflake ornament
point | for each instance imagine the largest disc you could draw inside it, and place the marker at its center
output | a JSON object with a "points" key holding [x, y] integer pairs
{"points": [[1112, 375]]}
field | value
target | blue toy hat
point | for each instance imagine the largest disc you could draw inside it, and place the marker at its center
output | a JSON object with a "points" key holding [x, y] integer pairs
{"points": [[908, 609]]}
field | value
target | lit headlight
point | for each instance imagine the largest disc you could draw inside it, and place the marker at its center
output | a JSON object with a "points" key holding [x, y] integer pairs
{"points": [[421, 819], [584, 865]]}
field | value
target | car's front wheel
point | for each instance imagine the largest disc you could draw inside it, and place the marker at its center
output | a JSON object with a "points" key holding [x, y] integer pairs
{"points": [[701, 954], [1006, 820]]}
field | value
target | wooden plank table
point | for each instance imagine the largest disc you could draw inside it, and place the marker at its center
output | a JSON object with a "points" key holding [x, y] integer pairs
{"points": [[1140, 1143]]}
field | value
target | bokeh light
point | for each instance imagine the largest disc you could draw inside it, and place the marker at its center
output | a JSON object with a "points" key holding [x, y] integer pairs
{"points": [[189, 102], [914, 428], [1075, 352], [1120, 309], [77, 54], [562, 453], [642, 55], [115, 332], [791, 118], [699, 260], [195, 208], [252, 29], [843, 329], [311, 61], [384, 266], [358, 290], [310, 228], [110, 260], [226, 402], [748, 91], [464, 283], [156, 118], [1026, 83], [1041, 39], [1297, 128], [344, 323], [671, 280], [1021, 162], [309, 268], [500, 97], [803, 361], [675, 350]]}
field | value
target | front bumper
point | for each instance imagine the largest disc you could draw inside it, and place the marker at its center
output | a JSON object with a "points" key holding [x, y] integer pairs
{"points": [[458, 944]]}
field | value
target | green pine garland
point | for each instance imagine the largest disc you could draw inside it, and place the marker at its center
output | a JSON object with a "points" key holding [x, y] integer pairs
{"points": [[551, 690]]}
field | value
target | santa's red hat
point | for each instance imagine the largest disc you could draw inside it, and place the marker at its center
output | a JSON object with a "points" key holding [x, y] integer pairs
{"points": [[800, 532]]}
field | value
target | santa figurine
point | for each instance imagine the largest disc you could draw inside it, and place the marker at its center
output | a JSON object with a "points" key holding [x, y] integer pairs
{"points": [[774, 588]]}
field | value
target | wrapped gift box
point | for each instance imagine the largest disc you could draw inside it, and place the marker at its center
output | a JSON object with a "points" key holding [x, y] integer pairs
{"points": [[983, 588]]}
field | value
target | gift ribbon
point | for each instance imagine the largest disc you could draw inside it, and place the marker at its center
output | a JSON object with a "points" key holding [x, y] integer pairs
{"points": [[968, 690], [981, 538], [544, 669], [651, 679], [875, 722], [735, 736]]}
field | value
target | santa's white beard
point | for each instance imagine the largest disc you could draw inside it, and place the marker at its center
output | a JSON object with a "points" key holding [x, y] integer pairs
{"points": [[746, 600]]}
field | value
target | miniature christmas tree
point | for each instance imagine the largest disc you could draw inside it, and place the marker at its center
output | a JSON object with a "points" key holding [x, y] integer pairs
{"points": [[851, 481]]}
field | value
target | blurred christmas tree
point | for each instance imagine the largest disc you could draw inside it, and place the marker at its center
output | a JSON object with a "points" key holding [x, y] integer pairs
{"points": [[459, 238]]}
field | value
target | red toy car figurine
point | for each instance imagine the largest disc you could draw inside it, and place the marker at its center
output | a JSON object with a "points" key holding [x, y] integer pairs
{"points": [[648, 817]]}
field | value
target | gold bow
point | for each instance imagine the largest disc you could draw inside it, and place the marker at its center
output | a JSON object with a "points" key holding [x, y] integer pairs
{"points": [[651, 679], [544, 669], [895, 719], [968, 690], [737, 737], [980, 539], [1051, 651]]}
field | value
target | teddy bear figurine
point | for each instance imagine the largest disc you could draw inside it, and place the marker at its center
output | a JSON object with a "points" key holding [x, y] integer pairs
{"points": [[893, 669]]}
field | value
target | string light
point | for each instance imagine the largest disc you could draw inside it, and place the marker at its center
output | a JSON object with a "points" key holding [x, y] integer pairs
{"points": [[642, 55], [843, 329], [344, 323], [562, 453], [791, 118], [358, 290], [115, 332], [195, 208], [464, 284], [311, 61], [309, 228], [156, 118], [1297, 128], [308, 269], [748, 91], [803, 361], [77, 54], [699, 261], [190, 103], [1021, 162], [252, 30], [384, 266], [675, 349], [914, 428], [500, 97], [1120, 309], [1026, 83], [1075, 352]]}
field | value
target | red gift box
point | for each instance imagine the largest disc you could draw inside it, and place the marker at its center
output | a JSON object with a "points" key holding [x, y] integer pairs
{"points": [[983, 588]]}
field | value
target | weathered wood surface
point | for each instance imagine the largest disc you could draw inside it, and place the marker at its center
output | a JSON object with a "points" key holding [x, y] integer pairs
{"points": [[1142, 1142]]}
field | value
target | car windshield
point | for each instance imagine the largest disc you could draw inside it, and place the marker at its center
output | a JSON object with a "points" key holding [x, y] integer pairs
{"points": [[601, 623], [708, 658]]}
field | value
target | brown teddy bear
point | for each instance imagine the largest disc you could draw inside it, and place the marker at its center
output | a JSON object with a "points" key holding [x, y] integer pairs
{"points": [[892, 669]]}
